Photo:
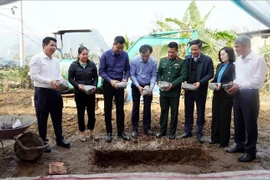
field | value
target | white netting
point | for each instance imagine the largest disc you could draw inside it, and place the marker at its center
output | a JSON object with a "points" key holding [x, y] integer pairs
{"points": [[88, 89], [146, 90], [63, 85], [163, 85], [121, 85], [187, 86], [213, 86]]}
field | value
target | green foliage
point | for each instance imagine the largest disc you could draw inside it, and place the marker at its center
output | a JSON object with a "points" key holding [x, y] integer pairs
{"points": [[213, 40], [20, 75], [265, 51], [128, 43]]}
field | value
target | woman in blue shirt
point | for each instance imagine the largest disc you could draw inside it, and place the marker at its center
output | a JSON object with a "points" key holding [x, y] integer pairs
{"points": [[222, 102]]}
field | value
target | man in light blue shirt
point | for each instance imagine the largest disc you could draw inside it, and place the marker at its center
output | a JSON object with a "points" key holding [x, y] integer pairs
{"points": [[143, 70]]}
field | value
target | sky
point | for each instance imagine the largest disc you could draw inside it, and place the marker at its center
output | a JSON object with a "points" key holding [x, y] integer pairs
{"points": [[112, 18]]}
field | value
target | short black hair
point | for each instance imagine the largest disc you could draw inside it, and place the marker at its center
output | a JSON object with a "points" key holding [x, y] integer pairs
{"points": [[145, 48], [47, 40], [173, 45], [119, 40], [196, 42], [230, 53]]}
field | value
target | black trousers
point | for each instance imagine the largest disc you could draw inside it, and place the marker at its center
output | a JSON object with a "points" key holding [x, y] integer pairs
{"points": [[147, 100], [221, 118], [246, 111], [48, 101], [109, 92], [190, 98], [83, 100]]}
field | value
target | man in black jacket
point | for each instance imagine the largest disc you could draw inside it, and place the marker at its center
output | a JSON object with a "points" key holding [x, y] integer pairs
{"points": [[200, 70]]}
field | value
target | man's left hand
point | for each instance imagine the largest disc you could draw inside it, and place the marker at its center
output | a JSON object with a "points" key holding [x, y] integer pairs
{"points": [[170, 87], [197, 85]]}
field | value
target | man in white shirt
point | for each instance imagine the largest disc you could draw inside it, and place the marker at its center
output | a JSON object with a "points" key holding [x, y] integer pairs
{"points": [[251, 71], [45, 71]]}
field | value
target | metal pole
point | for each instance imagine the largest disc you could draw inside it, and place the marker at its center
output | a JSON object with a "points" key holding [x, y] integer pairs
{"points": [[22, 56]]}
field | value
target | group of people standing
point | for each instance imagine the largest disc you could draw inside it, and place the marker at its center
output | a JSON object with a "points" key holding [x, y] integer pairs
{"points": [[246, 76]]}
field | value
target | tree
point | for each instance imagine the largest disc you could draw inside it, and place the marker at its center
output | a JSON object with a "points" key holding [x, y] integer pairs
{"points": [[213, 40], [128, 43]]}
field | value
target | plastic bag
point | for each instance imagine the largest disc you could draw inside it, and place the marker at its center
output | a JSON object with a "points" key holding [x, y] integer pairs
{"points": [[63, 85], [121, 85], [147, 91], [228, 86], [187, 86], [88, 89], [163, 85], [213, 86], [17, 124]]}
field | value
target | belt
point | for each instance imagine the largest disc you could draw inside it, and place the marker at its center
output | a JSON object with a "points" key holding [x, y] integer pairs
{"points": [[42, 88]]}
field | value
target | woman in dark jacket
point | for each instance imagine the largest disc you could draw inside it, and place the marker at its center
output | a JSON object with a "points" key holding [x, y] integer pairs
{"points": [[222, 102], [84, 72]]}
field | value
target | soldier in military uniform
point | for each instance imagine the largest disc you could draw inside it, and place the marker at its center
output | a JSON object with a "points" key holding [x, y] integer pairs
{"points": [[171, 69]]}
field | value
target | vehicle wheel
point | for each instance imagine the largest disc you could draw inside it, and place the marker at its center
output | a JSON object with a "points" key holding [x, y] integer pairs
{"points": [[29, 140]]}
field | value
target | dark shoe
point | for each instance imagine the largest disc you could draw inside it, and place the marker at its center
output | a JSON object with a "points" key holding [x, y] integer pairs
{"points": [[172, 136], [200, 139], [48, 148], [186, 135], [63, 143], [134, 134], [125, 137], [148, 133], [108, 137], [235, 149], [213, 142], [247, 157], [160, 134]]}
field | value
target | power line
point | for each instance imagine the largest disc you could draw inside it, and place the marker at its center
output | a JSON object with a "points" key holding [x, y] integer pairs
{"points": [[20, 33], [46, 17], [23, 23], [3, 8], [31, 31], [9, 16]]}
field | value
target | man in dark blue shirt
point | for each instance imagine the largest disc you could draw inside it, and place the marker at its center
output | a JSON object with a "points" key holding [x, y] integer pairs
{"points": [[114, 67]]}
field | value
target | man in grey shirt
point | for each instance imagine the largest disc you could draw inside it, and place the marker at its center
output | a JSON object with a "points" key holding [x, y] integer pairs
{"points": [[143, 70]]}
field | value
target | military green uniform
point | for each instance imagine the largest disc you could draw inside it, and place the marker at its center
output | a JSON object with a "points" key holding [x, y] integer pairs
{"points": [[175, 72]]}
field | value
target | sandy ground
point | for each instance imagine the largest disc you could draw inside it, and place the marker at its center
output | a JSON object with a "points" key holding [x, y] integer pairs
{"points": [[146, 154]]}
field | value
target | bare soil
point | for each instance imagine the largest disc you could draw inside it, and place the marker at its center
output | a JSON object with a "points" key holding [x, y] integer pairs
{"points": [[145, 154]]}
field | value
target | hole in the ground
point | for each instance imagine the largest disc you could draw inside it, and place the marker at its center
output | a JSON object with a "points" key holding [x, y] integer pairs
{"points": [[132, 157]]}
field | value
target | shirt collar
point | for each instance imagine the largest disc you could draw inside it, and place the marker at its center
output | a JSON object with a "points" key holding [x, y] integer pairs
{"points": [[176, 58], [113, 53], [143, 61], [197, 58], [248, 57], [43, 55], [225, 64]]}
